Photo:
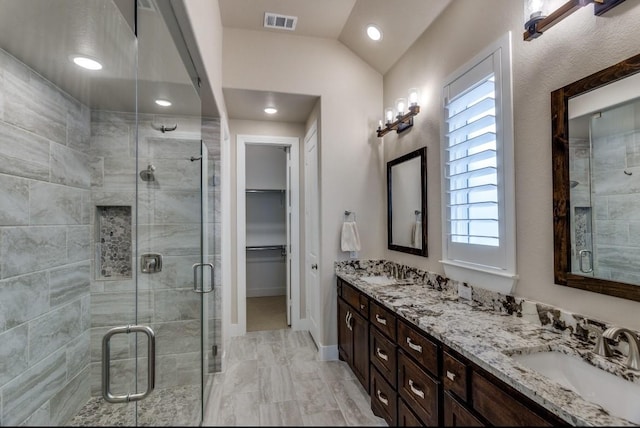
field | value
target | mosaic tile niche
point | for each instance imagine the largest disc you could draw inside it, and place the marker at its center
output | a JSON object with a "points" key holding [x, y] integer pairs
{"points": [[113, 245]]}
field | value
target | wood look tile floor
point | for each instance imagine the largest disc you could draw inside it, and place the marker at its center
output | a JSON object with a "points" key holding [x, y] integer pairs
{"points": [[274, 378]]}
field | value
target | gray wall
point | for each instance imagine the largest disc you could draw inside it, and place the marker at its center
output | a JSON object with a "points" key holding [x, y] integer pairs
{"points": [[44, 249]]}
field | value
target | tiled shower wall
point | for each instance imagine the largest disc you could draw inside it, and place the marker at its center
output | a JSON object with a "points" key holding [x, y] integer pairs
{"points": [[616, 208], [44, 249]]}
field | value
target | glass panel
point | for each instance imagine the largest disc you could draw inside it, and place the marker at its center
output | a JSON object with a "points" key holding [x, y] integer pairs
{"points": [[67, 211], [170, 162], [603, 194]]}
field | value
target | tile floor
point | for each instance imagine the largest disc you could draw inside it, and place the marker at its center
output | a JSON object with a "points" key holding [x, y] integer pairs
{"points": [[274, 378]]}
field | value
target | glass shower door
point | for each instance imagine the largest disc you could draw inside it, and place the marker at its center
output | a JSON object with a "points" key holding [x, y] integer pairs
{"points": [[172, 271]]}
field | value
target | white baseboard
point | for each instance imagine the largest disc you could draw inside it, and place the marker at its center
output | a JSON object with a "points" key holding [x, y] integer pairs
{"points": [[267, 292], [328, 353]]}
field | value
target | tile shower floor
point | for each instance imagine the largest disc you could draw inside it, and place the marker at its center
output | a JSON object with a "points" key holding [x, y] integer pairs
{"points": [[176, 406], [273, 378]]}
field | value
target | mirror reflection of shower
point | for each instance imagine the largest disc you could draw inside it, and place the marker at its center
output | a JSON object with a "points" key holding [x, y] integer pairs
{"points": [[148, 174]]}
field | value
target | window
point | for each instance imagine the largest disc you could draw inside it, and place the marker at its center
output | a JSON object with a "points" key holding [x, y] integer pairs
{"points": [[478, 174]]}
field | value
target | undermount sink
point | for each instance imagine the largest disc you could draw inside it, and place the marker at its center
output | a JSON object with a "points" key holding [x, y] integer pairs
{"points": [[385, 280], [379, 280], [616, 395]]}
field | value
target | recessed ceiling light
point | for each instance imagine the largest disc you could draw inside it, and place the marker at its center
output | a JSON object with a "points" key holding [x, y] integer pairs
{"points": [[374, 32], [271, 110], [163, 103], [86, 62]]}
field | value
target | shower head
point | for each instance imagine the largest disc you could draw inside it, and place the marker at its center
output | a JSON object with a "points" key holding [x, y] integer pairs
{"points": [[147, 174]]}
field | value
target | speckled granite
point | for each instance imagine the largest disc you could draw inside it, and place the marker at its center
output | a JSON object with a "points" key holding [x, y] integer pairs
{"points": [[178, 406], [490, 328]]}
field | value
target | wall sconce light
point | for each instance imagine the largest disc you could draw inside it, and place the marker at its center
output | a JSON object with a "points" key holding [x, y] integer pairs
{"points": [[403, 117], [539, 15]]}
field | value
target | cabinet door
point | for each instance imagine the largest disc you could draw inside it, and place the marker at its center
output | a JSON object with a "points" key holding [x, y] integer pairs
{"points": [[360, 353], [345, 336], [455, 415]]}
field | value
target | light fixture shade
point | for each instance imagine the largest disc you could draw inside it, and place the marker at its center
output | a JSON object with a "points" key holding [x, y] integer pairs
{"points": [[414, 96], [401, 106], [388, 115]]}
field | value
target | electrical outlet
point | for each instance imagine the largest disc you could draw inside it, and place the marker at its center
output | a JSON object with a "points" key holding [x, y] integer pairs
{"points": [[464, 292]]}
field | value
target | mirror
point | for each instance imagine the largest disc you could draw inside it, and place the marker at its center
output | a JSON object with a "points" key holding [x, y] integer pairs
{"points": [[407, 203], [596, 181]]}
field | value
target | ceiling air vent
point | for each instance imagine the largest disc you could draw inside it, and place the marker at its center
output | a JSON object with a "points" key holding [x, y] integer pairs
{"points": [[282, 22]]}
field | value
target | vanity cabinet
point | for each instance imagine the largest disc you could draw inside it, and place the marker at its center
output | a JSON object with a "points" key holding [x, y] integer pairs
{"points": [[474, 397], [353, 331], [415, 380], [384, 363]]}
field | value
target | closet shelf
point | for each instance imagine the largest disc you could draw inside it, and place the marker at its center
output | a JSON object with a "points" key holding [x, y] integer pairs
{"points": [[266, 247], [265, 190]]}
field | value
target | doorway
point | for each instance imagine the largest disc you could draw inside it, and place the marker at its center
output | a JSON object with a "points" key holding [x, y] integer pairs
{"points": [[268, 233]]}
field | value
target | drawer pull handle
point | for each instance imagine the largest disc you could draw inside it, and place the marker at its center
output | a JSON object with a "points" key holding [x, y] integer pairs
{"points": [[413, 346], [383, 399], [381, 354], [382, 321], [361, 306], [415, 390], [451, 376]]}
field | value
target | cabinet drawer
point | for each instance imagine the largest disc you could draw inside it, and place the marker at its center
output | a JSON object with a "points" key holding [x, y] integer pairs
{"points": [[383, 319], [383, 356], [418, 389], [356, 299], [416, 344], [456, 415], [384, 399], [454, 376], [406, 418], [499, 407]]}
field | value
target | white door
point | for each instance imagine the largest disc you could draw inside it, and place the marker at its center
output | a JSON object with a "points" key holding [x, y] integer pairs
{"points": [[312, 232], [288, 228]]}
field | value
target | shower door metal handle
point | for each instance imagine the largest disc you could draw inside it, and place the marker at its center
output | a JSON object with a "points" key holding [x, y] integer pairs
{"points": [[106, 363], [589, 255], [195, 278]]}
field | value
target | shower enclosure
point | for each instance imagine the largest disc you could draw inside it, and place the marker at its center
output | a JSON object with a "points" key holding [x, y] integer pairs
{"points": [[108, 227]]}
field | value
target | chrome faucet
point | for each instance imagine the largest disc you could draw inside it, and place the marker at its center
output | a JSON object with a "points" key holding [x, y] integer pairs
{"points": [[612, 333], [601, 347]]}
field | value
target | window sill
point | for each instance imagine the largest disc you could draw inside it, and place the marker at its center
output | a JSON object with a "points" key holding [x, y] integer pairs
{"points": [[481, 276]]}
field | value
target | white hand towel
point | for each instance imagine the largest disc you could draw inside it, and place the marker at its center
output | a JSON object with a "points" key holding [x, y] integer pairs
{"points": [[416, 234], [350, 238]]}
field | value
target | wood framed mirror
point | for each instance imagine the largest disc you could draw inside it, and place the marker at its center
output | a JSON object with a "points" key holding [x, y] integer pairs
{"points": [[407, 203], [596, 181]]}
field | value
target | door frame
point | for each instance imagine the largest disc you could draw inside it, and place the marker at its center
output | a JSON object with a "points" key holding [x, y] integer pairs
{"points": [[312, 297], [292, 143]]}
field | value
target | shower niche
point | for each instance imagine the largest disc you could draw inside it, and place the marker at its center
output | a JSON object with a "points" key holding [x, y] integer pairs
{"points": [[113, 243]]}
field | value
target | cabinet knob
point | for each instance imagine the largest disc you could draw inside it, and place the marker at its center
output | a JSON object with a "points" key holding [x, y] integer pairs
{"points": [[314, 266]]}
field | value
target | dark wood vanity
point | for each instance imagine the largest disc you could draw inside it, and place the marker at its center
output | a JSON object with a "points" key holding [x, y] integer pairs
{"points": [[415, 380]]}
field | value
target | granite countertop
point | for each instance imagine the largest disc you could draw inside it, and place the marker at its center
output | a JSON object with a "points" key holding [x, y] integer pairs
{"points": [[487, 338]]}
